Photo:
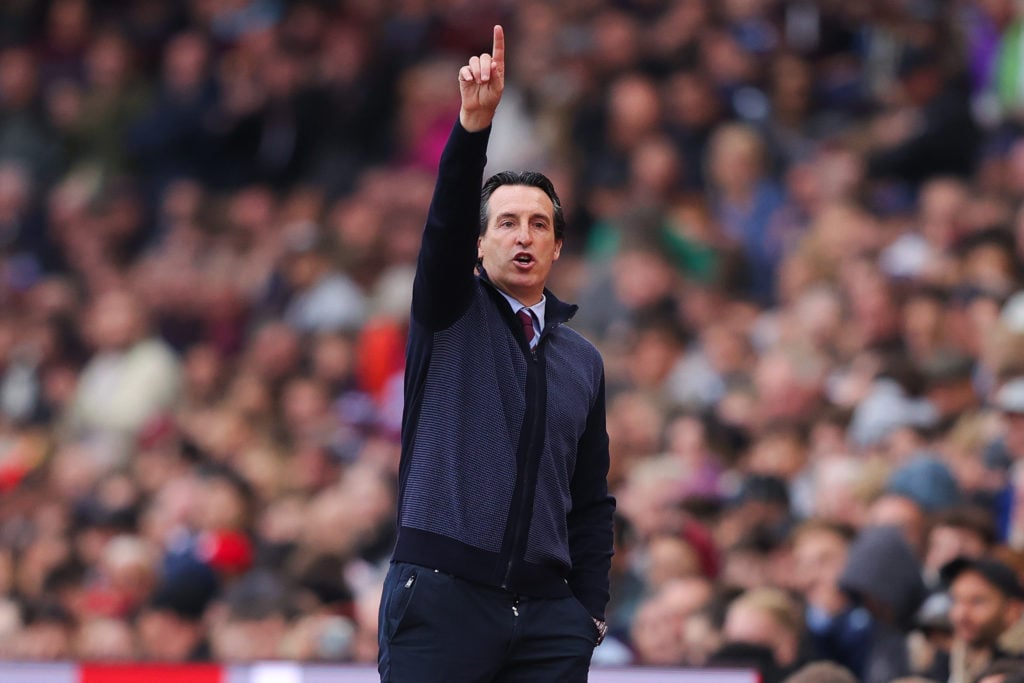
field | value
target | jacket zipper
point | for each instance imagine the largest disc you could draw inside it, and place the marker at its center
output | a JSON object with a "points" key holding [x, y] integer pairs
{"points": [[534, 408], [517, 523]]}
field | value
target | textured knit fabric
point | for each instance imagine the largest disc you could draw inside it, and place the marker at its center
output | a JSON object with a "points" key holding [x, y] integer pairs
{"points": [[503, 477]]}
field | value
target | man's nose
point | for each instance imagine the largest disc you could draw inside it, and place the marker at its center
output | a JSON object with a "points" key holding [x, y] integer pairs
{"points": [[524, 236]]}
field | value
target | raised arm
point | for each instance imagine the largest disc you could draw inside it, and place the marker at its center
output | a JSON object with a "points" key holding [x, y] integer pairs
{"points": [[448, 254], [481, 83]]}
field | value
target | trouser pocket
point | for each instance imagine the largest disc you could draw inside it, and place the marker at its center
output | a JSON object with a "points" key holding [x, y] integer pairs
{"points": [[399, 587], [585, 618]]}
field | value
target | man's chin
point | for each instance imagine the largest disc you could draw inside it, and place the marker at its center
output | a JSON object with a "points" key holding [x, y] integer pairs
{"points": [[979, 643]]}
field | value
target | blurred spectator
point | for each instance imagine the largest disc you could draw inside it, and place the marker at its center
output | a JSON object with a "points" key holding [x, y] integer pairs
{"points": [[837, 626], [659, 633], [321, 297], [821, 672], [170, 624], [47, 634], [105, 639], [746, 203], [111, 98], [987, 598], [23, 134], [927, 481], [767, 617], [130, 377], [931, 110], [957, 532], [251, 622], [174, 136], [891, 601]]}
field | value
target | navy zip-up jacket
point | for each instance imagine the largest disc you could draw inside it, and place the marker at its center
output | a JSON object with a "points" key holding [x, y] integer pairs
{"points": [[503, 476]]}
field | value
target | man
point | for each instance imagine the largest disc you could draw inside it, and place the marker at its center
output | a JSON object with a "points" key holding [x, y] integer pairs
{"points": [[962, 530], [768, 618], [839, 629], [987, 599], [500, 570], [658, 632], [170, 625]]}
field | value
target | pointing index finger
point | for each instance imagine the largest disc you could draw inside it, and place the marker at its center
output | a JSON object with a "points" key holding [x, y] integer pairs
{"points": [[498, 50]]}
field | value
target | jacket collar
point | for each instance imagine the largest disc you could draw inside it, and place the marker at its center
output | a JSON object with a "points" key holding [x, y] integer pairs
{"points": [[556, 312]]}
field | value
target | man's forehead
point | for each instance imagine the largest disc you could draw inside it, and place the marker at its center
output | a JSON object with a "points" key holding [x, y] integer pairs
{"points": [[520, 198], [970, 580]]}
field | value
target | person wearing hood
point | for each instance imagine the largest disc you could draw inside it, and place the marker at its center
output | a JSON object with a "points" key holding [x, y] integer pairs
{"points": [[883, 575]]}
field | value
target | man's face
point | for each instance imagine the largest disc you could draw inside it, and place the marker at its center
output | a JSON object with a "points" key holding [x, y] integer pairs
{"points": [[818, 559], [750, 624], [980, 612], [655, 635], [946, 543], [519, 245]]}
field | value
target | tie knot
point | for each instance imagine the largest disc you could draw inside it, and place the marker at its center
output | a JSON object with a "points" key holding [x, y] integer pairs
{"points": [[527, 320]]}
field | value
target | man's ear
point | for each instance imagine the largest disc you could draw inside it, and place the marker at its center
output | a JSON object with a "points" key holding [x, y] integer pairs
{"points": [[479, 253], [558, 250]]}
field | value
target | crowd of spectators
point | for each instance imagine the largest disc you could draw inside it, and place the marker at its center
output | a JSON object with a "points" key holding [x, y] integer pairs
{"points": [[795, 231]]}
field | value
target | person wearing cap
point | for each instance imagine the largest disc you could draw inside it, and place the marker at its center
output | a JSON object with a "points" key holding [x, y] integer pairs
{"points": [[171, 624], [949, 385], [987, 598]]}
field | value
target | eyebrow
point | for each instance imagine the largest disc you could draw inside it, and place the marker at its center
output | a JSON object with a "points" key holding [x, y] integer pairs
{"points": [[535, 216]]}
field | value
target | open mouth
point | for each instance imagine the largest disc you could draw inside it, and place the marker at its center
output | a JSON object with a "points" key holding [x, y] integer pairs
{"points": [[523, 259]]}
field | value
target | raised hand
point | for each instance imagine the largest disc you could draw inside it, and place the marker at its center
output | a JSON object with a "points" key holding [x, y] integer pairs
{"points": [[481, 83]]}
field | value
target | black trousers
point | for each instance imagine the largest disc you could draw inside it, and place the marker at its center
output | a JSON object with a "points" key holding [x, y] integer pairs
{"points": [[438, 627]]}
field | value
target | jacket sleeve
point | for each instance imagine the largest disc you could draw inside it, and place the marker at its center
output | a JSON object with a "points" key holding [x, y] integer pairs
{"points": [[590, 521], [444, 272]]}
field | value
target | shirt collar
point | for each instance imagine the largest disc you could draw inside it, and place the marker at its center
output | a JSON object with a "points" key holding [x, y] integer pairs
{"points": [[537, 309]]}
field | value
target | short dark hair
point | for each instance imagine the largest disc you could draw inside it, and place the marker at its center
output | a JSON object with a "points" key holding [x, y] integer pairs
{"points": [[529, 179], [996, 573], [969, 518]]}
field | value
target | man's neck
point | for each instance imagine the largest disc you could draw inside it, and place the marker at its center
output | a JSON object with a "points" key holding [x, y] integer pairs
{"points": [[528, 299], [978, 657]]}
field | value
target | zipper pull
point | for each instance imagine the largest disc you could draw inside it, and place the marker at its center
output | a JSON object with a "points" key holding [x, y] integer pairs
{"points": [[408, 584], [515, 606]]}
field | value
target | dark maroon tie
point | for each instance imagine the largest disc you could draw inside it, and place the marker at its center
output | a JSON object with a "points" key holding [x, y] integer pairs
{"points": [[527, 320]]}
